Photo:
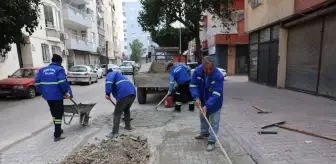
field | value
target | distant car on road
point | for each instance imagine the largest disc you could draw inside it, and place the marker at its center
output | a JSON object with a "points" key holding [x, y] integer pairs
{"points": [[82, 74], [220, 69], [127, 67], [114, 67], [20, 84], [98, 70]]}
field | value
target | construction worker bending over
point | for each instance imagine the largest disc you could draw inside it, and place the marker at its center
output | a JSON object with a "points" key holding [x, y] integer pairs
{"points": [[54, 87], [124, 92], [180, 74], [206, 87]]}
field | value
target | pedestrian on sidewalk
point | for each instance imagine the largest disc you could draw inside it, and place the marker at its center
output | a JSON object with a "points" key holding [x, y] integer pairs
{"points": [[206, 87], [124, 92], [54, 87], [180, 75]]}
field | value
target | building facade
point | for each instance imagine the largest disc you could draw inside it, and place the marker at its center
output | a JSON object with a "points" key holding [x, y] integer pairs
{"points": [[227, 44], [292, 46], [132, 29]]}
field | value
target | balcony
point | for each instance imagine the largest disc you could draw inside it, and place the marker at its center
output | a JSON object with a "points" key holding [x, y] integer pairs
{"points": [[52, 33], [76, 18], [80, 43], [80, 2]]}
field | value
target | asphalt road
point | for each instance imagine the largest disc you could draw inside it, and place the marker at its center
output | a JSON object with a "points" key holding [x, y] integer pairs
{"points": [[23, 118]]}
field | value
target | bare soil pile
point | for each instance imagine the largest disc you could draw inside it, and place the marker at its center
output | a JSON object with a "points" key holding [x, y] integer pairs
{"points": [[123, 150]]}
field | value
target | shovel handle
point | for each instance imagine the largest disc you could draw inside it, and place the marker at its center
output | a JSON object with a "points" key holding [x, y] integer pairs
{"points": [[112, 102]]}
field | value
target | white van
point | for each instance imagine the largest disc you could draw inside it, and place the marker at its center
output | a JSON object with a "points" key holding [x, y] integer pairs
{"points": [[127, 67]]}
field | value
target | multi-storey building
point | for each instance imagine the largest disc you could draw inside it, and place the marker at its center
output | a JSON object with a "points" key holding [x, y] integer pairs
{"points": [[132, 29], [46, 40], [292, 44], [80, 27], [226, 43]]}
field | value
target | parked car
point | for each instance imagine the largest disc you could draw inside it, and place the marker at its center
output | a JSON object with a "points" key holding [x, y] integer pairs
{"points": [[20, 84], [98, 70], [127, 67], [220, 69], [82, 74], [114, 67]]}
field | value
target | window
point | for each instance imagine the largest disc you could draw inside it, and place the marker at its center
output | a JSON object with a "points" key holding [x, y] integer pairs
{"points": [[48, 16], [59, 19], [56, 50], [93, 35], [125, 30], [123, 4], [124, 21], [255, 3], [124, 13], [125, 39], [45, 53], [125, 47]]}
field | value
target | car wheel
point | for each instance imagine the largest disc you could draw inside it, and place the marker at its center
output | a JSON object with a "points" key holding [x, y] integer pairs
{"points": [[89, 83], [31, 91]]}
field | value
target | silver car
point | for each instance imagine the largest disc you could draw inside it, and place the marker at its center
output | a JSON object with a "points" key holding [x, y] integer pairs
{"points": [[82, 74]]}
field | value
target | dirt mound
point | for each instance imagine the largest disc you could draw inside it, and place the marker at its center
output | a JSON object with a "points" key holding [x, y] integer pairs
{"points": [[123, 150]]}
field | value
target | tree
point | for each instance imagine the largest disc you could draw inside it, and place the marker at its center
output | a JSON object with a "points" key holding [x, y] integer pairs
{"points": [[170, 37], [17, 15], [158, 13], [136, 48]]}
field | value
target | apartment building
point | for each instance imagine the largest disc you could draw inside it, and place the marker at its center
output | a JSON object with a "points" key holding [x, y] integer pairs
{"points": [[292, 44], [131, 27], [80, 27], [45, 41], [227, 44]]}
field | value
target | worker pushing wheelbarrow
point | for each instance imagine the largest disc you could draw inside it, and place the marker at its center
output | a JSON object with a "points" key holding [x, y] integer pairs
{"points": [[77, 110]]}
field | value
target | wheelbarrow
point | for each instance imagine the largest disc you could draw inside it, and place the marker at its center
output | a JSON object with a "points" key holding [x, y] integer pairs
{"points": [[78, 110]]}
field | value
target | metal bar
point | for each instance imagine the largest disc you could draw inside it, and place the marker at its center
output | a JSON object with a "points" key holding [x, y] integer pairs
{"points": [[320, 56], [66, 115]]}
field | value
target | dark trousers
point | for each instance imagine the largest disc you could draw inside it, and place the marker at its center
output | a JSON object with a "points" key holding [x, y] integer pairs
{"points": [[122, 106], [57, 111], [180, 92]]}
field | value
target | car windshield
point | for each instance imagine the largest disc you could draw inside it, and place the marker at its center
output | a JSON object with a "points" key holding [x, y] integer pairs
{"points": [[25, 73], [126, 64], [78, 69], [92, 66]]}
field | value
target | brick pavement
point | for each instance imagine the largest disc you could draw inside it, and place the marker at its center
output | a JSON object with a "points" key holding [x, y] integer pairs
{"points": [[300, 110]]}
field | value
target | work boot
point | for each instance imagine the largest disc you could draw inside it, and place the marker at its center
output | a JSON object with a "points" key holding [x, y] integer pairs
{"points": [[58, 138], [112, 135], [177, 108], [129, 128], [124, 119], [62, 131], [191, 107], [202, 136], [211, 146]]}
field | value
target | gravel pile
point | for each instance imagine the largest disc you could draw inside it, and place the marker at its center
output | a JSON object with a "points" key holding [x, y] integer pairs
{"points": [[126, 149]]}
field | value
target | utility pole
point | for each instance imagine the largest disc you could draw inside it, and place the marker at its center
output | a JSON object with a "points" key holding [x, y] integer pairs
{"points": [[180, 39]]}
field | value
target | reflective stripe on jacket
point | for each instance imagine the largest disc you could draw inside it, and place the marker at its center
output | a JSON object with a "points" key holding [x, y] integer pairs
{"points": [[119, 86], [211, 92], [179, 74], [52, 83]]}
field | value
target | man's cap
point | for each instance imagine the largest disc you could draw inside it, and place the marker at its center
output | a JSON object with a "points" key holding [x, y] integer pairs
{"points": [[109, 70], [56, 58], [169, 65]]}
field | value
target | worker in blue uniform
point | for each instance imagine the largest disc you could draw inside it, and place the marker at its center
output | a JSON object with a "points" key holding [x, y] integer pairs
{"points": [[124, 92], [54, 87], [180, 76], [206, 87]]}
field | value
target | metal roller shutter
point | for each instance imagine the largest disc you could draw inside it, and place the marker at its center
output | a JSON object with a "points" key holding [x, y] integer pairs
{"points": [[79, 59], [303, 55], [263, 61], [327, 84]]}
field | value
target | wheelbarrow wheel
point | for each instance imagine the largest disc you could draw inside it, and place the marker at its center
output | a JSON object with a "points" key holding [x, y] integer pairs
{"points": [[84, 119]]}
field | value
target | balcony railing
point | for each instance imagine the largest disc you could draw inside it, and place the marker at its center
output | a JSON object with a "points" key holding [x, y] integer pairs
{"points": [[52, 31], [80, 43], [77, 17], [101, 31]]}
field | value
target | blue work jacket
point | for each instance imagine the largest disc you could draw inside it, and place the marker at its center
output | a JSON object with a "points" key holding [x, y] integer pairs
{"points": [[119, 85], [179, 74], [52, 83], [209, 89]]}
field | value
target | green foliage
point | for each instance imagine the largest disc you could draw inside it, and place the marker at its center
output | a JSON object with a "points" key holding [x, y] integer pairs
{"points": [[14, 16], [137, 50], [159, 13], [170, 37]]}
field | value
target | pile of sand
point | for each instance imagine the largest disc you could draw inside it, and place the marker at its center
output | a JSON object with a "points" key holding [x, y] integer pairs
{"points": [[126, 149]]}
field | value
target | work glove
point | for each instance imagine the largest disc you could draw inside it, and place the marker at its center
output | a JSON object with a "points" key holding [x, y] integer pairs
{"points": [[67, 96], [198, 103]]}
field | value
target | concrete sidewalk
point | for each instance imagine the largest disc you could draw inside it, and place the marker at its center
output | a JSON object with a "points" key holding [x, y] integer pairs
{"points": [[299, 110]]}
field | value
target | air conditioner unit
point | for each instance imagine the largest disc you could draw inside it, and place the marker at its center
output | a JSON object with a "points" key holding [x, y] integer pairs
{"points": [[64, 36], [65, 53]]}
